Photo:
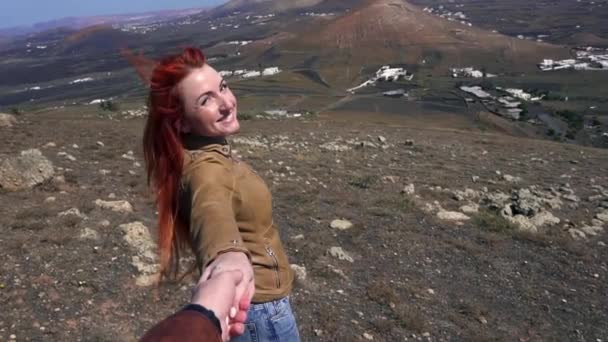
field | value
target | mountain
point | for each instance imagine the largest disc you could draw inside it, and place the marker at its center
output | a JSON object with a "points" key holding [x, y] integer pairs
{"points": [[77, 23], [262, 5], [394, 31]]}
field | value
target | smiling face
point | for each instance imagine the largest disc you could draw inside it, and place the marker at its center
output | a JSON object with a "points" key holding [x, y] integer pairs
{"points": [[209, 105]]}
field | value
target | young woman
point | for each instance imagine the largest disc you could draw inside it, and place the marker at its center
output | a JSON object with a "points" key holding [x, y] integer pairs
{"points": [[209, 200]]}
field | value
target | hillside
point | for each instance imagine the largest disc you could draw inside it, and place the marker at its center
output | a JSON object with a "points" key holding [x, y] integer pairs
{"points": [[396, 32], [429, 253]]}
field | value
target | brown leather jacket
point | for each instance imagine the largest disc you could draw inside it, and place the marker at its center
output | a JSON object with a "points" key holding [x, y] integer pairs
{"points": [[229, 208]]}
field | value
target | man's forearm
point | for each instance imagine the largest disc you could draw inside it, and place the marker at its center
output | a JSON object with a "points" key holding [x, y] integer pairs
{"points": [[194, 323]]}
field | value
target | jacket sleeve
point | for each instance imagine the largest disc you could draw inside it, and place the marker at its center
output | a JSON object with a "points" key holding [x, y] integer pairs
{"points": [[184, 326], [213, 226]]}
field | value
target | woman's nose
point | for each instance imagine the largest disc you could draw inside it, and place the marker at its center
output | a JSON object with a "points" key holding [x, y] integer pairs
{"points": [[225, 103]]}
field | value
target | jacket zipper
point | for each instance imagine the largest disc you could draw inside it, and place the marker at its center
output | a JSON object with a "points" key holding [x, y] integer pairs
{"points": [[276, 265]]}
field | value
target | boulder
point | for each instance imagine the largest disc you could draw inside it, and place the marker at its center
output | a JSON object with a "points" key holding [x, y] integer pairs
{"points": [[7, 120], [338, 252], [24, 171]]}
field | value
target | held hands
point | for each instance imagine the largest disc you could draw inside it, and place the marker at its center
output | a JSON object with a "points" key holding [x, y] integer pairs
{"points": [[228, 285]]}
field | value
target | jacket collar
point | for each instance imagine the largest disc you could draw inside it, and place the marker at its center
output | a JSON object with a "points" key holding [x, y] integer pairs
{"points": [[201, 143]]}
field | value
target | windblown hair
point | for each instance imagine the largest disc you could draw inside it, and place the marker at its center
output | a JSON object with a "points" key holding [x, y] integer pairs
{"points": [[163, 152]]}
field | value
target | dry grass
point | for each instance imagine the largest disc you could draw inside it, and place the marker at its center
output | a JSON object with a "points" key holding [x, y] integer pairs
{"points": [[493, 222], [410, 318]]}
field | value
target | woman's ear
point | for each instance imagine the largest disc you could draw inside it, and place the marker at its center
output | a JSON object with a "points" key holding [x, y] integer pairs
{"points": [[183, 126]]}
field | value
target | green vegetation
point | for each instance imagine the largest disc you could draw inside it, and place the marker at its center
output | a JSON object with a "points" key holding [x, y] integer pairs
{"points": [[108, 105], [493, 222], [363, 182], [575, 122]]}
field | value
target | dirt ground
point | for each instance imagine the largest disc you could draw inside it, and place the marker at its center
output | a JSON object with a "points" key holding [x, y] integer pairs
{"points": [[412, 276]]}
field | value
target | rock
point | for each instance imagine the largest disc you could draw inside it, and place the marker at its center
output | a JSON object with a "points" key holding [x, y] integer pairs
{"points": [[592, 230], [50, 199], [58, 180], [475, 179], [430, 291], [576, 234], [128, 156], [571, 198], [466, 194], [72, 212], [596, 222], [409, 190], [334, 147], [7, 120], [368, 336], [496, 200], [511, 179], [337, 271], [66, 156], [452, 216], [365, 144], [138, 237], [28, 169], [100, 144], [409, 142], [382, 139], [523, 223], [338, 252], [390, 179], [118, 206], [341, 224], [525, 203], [49, 144], [104, 223], [430, 208], [595, 198], [89, 234], [603, 216], [104, 172], [471, 208], [300, 272], [544, 218], [506, 211], [298, 237]]}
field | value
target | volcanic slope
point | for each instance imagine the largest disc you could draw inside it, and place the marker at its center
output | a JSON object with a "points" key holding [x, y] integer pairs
{"points": [[396, 32]]}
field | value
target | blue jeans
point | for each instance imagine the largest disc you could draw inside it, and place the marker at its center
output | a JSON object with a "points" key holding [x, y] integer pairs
{"points": [[271, 321]]}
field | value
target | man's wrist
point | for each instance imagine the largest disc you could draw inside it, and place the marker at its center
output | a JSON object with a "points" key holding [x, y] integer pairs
{"points": [[205, 312]]}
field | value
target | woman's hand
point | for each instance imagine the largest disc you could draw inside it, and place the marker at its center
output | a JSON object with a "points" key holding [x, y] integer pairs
{"points": [[245, 289]]}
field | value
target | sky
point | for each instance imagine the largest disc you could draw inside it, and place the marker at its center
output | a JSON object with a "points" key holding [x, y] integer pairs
{"points": [[27, 12]]}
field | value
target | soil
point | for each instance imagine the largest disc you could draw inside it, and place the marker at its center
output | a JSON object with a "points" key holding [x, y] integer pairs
{"points": [[414, 277]]}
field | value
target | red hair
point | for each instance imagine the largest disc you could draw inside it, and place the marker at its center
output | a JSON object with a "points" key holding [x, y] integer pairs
{"points": [[163, 152]]}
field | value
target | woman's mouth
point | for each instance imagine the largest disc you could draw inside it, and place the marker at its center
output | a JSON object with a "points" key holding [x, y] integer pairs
{"points": [[226, 118]]}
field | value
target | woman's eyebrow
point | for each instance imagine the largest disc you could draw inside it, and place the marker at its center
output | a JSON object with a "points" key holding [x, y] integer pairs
{"points": [[203, 94]]}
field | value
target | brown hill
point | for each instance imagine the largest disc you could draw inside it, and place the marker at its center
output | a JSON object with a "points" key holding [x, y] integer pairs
{"points": [[394, 31], [263, 5]]}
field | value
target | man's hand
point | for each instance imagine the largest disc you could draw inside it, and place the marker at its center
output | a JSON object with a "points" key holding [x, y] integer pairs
{"points": [[245, 289], [218, 294]]}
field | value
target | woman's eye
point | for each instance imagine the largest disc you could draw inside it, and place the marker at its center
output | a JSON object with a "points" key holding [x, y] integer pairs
{"points": [[204, 102], [224, 86]]}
